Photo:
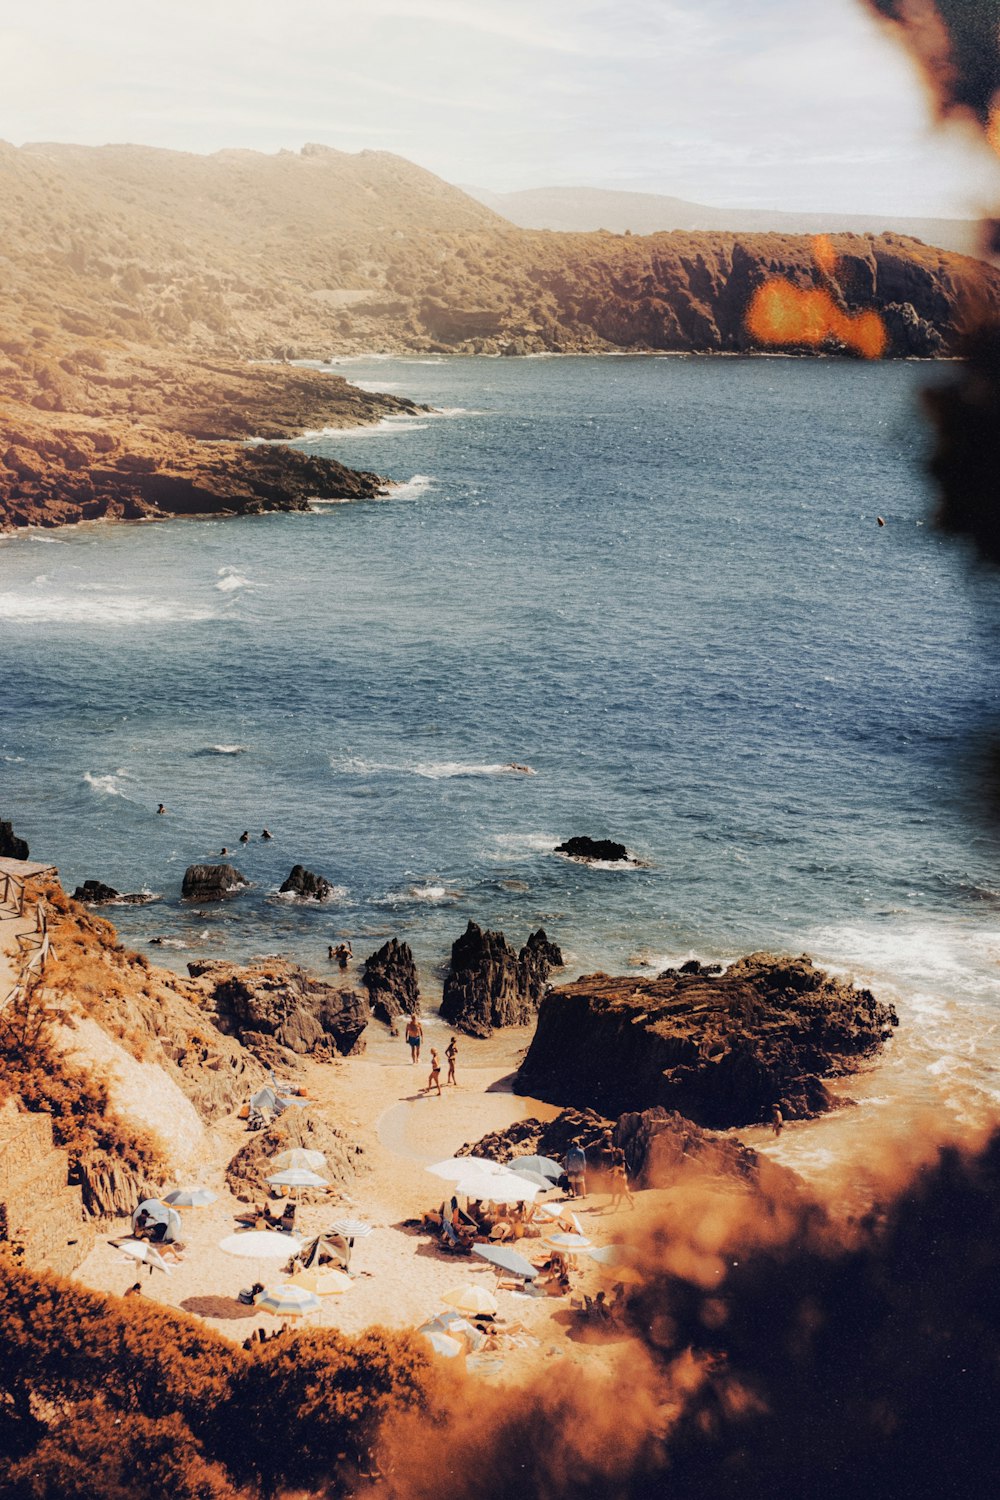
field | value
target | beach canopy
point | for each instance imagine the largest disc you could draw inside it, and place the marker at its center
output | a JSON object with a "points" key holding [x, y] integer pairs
{"points": [[325, 1282], [457, 1167], [194, 1197], [506, 1260], [299, 1157], [325, 1250], [144, 1252], [458, 1327], [287, 1301], [569, 1242], [158, 1212], [444, 1344], [261, 1244], [471, 1299], [351, 1229], [544, 1165], [298, 1177]]}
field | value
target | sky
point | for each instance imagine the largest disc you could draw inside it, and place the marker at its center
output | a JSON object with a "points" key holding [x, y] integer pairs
{"points": [[792, 104]]}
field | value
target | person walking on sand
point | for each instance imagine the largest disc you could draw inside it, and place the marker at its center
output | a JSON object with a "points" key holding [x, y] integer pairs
{"points": [[619, 1179], [575, 1164], [434, 1081], [414, 1036], [451, 1052]]}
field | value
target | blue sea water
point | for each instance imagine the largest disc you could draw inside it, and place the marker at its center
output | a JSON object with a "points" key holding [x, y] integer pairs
{"points": [[658, 582]]}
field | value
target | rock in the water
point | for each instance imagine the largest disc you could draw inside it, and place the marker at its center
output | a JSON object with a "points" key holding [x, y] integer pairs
{"points": [[302, 882], [593, 849], [247, 1173], [280, 1000], [11, 847], [721, 1049], [489, 985], [212, 882], [390, 978], [96, 893]]}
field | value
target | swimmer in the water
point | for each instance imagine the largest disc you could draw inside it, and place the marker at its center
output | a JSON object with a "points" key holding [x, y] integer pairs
{"points": [[222, 851], [161, 809], [244, 837], [266, 835]]}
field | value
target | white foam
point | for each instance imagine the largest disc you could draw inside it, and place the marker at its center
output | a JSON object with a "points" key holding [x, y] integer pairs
{"points": [[512, 845], [411, 488], [225, 750], [231, 579], [106, 785], [48, 541], [336, 893], [94, 609], [430, 770], [429, 893]]}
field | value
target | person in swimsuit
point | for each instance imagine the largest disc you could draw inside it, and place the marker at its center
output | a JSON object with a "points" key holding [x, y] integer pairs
{"points": [[434, 1081], [451, 1052], [414, 1036]]}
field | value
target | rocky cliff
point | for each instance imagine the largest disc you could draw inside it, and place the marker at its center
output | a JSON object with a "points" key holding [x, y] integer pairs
{"points": [[138, 283], [489, 984], [275, 1001], [720, 1049]]}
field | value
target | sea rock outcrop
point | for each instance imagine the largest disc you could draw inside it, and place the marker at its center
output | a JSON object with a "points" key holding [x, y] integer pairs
{"points": [[212, 882], [583, 847], [390, 977], [273, 998], [96, 893], [302, 882], [489, 984], [247, 1173], [11, 847], [720, 1049]]}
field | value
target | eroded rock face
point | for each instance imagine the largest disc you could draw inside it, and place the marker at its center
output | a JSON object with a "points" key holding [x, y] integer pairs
{"points": [[247, 1173], [593, 849], [302, 882], [96, 893], [11, 847], [110, 1189], [721, 1049], [489, 984], [212, 882], [278, 999], [390, 977]]}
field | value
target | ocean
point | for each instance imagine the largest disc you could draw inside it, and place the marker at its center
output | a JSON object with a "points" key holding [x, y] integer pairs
{"points": [[658, 583]]}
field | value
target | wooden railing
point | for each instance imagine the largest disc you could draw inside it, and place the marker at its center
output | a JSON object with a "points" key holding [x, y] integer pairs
{"points": [[33, 947]]}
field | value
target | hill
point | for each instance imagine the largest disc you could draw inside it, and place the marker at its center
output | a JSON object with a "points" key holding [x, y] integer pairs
{"points": [[154, 298], [579, 209]]}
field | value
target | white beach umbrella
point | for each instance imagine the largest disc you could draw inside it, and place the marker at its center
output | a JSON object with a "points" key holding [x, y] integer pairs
{"points": [[507, 1189], [191, 1197], [299, 1157], [351, 1229], [457, 1167], [552, 1210], [471, 1299], [287, 1301], [145, 1253], [570, 1242], [325, 1283], [444, 1344], [261, 1244], [298, 1177]]}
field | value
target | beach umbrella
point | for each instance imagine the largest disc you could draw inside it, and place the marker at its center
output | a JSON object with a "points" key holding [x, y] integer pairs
{"points": [[324, 1283], [454, 1324], [471, 1299], [299, 1157], [552, 1210], [158, 1212], [627, 1275], [457, 1167], [298, 1177], [545, 1165], [537, 1179], [506, 1260], [444, 1344], [287, 1301], [613, 1255], [569, 1242], [195, 1197], [145, 1253], [261, 1244], [351, 1229]]}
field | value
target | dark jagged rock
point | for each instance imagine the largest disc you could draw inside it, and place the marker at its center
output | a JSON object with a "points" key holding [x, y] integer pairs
{"points": [[247, 1173], [96, 893], [720, 1049], [658, 1146], [11, 847], [390, 978], [304, 883], [591, 849], [212, 882], [489, 985], [280, 1000]]}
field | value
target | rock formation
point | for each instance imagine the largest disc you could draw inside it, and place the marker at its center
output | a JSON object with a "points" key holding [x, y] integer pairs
{"points": [[390, 977], [583, 847], [302, 882], [212, 882], [720, 1049], [11, 847], [272, 998], [247, 1173], [96, 893], [488, 984]]}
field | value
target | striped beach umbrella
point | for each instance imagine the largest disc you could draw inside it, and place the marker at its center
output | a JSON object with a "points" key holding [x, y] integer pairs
{"points": [[299, 1157], [287, 1301], [297, 1177], [351, 1229], [471, 1299]]}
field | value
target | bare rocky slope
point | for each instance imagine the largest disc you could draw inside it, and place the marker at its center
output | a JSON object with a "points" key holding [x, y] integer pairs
{"points": [[152, 297]]}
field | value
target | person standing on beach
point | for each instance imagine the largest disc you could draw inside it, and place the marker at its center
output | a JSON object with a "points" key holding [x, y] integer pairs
{"points": [[777, 1119], [575, 1164], [451, 1052], [619, 1179], [434, 1081], [414, 1036]]}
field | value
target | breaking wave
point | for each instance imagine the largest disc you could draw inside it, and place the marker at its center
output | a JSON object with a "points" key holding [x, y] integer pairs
{"points": [[95, 609], [231, 579]]}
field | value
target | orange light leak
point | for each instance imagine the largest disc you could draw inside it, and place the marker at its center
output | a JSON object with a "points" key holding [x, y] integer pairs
{"points": [[782, 313]]}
